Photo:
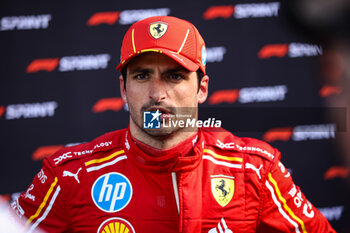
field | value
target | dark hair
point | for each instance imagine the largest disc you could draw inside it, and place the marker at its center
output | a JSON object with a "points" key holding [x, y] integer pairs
{"points": [[199, 72]]}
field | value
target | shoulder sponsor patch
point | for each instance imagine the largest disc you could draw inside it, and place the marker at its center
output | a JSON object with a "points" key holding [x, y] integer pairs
{"points": [[80, 151], [116, 225], [250, 146], [111, 192]]}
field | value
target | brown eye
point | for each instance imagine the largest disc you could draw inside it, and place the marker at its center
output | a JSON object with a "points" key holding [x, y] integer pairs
{"points": [[141, 77], [175, 77]]}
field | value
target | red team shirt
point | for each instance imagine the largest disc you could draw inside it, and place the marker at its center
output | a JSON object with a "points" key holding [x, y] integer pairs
{"points": [[224, 184]]}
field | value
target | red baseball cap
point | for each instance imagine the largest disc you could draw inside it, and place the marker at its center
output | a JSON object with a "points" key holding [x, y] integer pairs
{"points": [[174, 37]]}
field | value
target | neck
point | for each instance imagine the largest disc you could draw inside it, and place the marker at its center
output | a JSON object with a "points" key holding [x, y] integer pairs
{"points": [[159, 142]]}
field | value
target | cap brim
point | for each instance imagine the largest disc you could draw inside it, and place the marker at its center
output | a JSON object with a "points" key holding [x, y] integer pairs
{"points": [[182, 60]]}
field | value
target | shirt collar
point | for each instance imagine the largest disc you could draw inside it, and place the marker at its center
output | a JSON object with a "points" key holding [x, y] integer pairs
{"points": [[171, 161]]}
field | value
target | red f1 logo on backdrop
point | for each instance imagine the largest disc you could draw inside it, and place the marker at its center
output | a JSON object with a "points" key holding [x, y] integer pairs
{"points": [[328, 90], [104, 17], [301, 133], [337, 172], [292, 50], [273, 50], [332, 67], [219, 12], [70, 63], [44, 151], [281, 134], [242, 11], [108, 104], [2, 110], [45, 64], [224, 96]]}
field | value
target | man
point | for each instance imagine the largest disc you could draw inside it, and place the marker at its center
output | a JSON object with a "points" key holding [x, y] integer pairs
{"points": [[167, 179]]}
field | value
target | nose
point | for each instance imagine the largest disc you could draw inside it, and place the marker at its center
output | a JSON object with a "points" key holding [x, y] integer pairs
{"points": [[158, 90]]}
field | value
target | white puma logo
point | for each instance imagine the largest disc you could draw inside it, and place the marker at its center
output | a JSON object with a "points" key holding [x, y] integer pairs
{"points": [[251, 166], [67, 173]]}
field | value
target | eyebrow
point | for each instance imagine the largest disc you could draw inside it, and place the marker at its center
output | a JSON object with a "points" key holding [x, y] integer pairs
{"points": [[151, 71], [176, 69], [141, 70]]}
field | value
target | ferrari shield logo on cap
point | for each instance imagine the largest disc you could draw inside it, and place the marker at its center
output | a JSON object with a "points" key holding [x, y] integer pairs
{"points": [[158, 29], [222, 188]]}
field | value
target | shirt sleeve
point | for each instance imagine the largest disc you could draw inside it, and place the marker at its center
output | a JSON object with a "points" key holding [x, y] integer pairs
{"points": [[285, 207], [42, 205]]}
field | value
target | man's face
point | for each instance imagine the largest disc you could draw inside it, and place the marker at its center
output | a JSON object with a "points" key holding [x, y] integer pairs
{"points": [[156, 82]]}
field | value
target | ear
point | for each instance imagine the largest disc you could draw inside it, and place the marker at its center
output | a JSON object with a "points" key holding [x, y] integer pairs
{"points": [[203, 89], [122, 89]]}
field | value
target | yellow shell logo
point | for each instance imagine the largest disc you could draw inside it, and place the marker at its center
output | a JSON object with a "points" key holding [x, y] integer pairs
{"points": [[116, 225], [222, 188], [158, 29]]}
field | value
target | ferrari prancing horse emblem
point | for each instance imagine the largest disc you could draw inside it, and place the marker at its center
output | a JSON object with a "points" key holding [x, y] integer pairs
{"points": [[158, 29], [223, 188]]}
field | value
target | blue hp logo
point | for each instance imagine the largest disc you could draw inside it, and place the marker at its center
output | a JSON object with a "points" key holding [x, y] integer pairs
{"points": [[111, 192], [151, 120]]}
